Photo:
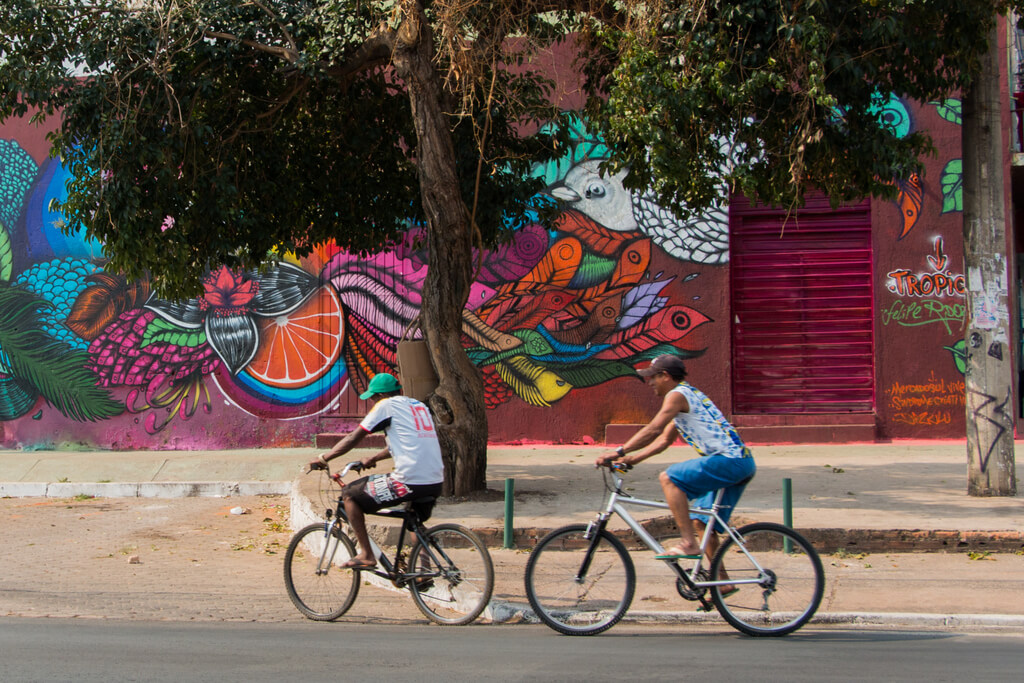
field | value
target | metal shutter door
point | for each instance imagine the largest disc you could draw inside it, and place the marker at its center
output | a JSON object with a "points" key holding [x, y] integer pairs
{"points": [[802, 338]]}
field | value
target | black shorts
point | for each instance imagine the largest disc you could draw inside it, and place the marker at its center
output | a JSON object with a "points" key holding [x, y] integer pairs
{"points": [[379, 491]]}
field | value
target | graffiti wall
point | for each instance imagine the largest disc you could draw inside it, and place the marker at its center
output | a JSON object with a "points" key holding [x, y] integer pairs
{"points": [[920, 289], [557, 321]]}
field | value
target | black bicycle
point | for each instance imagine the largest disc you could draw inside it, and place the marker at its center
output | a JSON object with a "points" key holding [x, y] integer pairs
{"points": [[447, 569]]}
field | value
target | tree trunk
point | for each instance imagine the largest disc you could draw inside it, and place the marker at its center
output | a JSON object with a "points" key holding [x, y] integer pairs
{"points": [[989, 384], [458, 401]]}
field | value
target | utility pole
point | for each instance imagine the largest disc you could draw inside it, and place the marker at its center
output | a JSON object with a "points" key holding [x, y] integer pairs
{"points": [[988, 378]]}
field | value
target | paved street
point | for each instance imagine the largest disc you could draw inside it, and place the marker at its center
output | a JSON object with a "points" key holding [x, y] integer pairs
{"points": [[109, 651]]}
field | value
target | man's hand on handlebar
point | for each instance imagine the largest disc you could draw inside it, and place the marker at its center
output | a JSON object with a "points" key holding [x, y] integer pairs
{"points": [[613, 461], [318, 464]]}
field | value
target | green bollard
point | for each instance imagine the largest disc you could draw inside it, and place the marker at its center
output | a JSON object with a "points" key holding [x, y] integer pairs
{"points": [[787, 510], [510, 489]]}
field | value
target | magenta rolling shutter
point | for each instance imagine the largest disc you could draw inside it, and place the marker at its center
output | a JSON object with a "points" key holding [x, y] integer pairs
{"points": [[802, 339]]}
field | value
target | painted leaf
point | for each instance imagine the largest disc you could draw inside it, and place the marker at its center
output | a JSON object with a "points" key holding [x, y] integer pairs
{"points": [[58, 372], [591, 374], [664, 327], [910, 201], [950, 110], [367, 351], [952, 187], [161, 331], [557, 267], [102, 302], [959, 351], [6, 256]]}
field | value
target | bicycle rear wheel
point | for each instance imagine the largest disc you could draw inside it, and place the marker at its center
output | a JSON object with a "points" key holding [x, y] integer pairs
{"points": [[316, 583], [580, 586], [456, 576], [790, 580]]}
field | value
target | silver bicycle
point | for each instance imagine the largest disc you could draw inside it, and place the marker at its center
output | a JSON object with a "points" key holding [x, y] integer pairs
{"points": [[765, 579]]}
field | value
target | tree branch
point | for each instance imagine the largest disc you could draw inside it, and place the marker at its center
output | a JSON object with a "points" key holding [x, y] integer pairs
{"points": [[289, 55], [376, 50]]}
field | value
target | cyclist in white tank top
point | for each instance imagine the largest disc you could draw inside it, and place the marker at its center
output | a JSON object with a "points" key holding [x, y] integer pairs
{"points": [[688, 413]]}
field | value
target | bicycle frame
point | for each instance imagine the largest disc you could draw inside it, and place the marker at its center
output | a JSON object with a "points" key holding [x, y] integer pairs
{"points": [[618, 499], [390, 571]]}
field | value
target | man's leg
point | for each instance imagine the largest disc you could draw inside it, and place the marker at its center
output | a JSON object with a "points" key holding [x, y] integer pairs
{"points": [[710, 551], [680, 507], [357, 520]]}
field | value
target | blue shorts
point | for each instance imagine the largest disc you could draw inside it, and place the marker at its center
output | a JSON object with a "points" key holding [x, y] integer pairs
{"points": [[700, 479]]}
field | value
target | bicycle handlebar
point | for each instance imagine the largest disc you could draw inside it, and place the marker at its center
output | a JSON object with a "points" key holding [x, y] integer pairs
{"points": [[354, 466]]}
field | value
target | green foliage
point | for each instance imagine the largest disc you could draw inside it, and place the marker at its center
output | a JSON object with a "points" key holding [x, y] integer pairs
{"points": [[212, 131], [203, 132], [792, 87]]}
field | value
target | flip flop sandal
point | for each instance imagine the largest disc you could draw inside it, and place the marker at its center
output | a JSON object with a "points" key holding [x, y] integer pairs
{"points": [[676, 556], [358, 565]]}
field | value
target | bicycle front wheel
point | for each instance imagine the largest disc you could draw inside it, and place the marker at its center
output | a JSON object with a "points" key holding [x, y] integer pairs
{"points": [[788, 574], [316, 583], [454, 576], [577, 585]]}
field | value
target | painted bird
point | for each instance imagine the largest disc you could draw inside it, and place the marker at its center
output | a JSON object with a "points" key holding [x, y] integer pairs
{"points": [[702, 239]]}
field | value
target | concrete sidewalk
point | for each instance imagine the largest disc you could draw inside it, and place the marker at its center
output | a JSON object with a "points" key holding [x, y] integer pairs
{"points": [[866, 507]]}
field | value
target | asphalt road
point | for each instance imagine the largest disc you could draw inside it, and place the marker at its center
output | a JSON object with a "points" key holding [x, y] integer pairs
{"points": [[111, 651]]}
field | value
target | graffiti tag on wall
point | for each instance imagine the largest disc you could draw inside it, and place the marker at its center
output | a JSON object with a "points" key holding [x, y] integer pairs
{"points": [[930, 403]]}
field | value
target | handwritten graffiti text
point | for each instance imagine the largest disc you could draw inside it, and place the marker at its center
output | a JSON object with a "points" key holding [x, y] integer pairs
{"points": [[914, 313]]}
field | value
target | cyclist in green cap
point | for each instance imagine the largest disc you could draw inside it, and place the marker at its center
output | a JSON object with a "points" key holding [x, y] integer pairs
{"points": [[411, 440]]}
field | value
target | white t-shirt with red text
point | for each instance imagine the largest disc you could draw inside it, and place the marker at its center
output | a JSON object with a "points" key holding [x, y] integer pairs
{"points": [[411, 437]]}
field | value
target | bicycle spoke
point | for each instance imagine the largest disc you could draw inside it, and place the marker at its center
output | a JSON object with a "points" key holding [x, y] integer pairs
{"points": [[316, 583], [572, 603], [455, 575], [788, 574]]}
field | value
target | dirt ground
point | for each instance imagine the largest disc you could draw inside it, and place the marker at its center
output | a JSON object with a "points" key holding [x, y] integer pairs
{"points": [[169, 559]]}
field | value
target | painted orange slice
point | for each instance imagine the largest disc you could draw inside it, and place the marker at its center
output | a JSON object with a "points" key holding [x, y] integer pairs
{"points": [[298, 348]]}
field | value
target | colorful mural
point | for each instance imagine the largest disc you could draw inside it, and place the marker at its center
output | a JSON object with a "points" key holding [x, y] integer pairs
{"points": [[556, 310], [557, 319]]}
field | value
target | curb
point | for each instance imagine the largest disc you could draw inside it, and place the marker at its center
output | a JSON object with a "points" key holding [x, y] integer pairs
{"points": [[520, 613], [147, 489]]}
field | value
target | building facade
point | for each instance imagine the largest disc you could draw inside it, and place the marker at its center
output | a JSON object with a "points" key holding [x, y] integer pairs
{"points": [[810, 325]]}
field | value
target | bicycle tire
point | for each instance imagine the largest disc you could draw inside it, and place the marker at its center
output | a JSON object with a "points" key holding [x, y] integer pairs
{"points": [[792, 585], [457, 592], [579, 607], [323, 596]]}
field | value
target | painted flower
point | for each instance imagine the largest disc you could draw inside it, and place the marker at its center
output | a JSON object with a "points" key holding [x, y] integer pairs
{"points": [[231, 304], [227, 293]]}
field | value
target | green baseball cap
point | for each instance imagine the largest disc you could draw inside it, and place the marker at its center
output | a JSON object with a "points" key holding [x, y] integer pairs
{"points": [[382, 383]]}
